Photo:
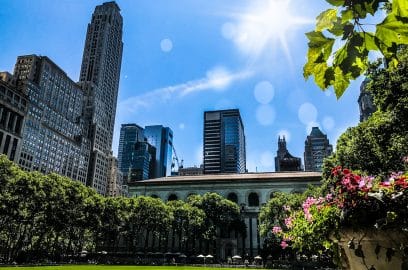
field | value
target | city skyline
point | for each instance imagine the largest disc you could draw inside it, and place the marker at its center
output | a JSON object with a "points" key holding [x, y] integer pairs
{"points": [[174, 73]]}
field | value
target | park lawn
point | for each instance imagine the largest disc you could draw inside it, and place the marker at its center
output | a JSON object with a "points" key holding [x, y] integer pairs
{"points": [[109, 267]]}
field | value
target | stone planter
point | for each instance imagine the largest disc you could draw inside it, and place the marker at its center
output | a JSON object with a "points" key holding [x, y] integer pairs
{"points": [[373, 249]]}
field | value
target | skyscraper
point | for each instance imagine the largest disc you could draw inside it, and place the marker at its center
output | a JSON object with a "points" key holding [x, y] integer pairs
{"points": [[284, 161], [317, 147], [129, 135], [99, 79], [162, 139], [53, 136], [224, 142]]}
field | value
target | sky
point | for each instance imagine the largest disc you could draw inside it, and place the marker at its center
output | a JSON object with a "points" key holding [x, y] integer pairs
{"points": [[183, 57]]}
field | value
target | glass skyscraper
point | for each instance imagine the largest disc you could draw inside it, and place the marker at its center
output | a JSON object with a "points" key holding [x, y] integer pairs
{"points": [[162, 139], [99, 79], [129, 135], [224, 142]]}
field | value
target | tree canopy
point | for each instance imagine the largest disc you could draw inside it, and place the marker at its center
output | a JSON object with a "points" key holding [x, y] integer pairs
{"points": [[346, 33]]}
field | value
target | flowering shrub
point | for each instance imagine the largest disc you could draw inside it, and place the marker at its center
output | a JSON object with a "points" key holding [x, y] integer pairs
{"points": [[353, 200]]}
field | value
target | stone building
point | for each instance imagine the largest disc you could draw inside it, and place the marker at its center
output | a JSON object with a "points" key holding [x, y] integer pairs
{"points": [[317, 147], [53, 134], [13, 110], [365, 102], [284, 161], [99, 79], [115, 179], [250, 191]]}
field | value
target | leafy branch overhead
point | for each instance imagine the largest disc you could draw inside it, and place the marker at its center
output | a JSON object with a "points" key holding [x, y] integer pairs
{"points": [[347, 23]]}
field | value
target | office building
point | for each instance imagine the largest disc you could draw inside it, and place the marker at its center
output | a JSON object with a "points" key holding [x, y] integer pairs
{"points": [[99, 79], [13, 110], [317, 147], [162, 139], [129, 135], [142, 162], [284, 161], [365, 102], [224, 142], [53, 134]]}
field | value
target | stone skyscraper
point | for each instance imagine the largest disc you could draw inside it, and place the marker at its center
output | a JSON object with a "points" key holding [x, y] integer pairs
{"points": [[284, 161], [317, 147], [224, 142], [99, 78], [365, 102]]}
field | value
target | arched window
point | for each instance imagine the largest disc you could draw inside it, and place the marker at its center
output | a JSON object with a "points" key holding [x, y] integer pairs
{"points": [[154, 196], [271, 195], [253, 199], [172, 197], [233, 197]]}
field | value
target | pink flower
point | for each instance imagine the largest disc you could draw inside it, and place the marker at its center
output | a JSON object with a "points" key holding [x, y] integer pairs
{"points": [[284, 245], [289, 222], [276, 230], [286, 208], [329, 197]]}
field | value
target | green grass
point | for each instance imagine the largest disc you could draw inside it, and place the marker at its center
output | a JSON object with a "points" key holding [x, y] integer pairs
{"points": [[110, 267]]}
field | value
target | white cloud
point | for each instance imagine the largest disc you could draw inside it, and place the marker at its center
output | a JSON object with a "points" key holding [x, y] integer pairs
{"points": [[218, 79]]}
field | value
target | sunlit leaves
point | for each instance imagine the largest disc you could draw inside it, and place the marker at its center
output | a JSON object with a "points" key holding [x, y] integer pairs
{"points": [[345, 24]]}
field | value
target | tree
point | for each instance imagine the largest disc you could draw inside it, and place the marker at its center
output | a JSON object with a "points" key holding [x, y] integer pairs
{"points": [[348, 23], [379, 144]]}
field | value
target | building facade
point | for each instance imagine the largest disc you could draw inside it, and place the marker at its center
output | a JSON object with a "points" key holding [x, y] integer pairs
{"points": [[365, 102], [162, 139], [115, 179], [129, 135], [284, 161], [99, 79], [13, 110], [317, 147], [142, 163], [249, 190], [53, 135], [224, 142]]}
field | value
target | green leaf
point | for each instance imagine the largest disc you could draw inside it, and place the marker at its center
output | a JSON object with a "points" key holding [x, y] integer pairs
{"points": [[326, 19], [369, 41], [337, 28], [400, 8], [336, 3], [392, 30], [347, 30], [347, 15], [340, 82]]}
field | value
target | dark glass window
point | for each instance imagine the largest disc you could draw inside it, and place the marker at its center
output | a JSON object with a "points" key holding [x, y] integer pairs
{"points": [[233, 197], [172, 197], [253, 199]]}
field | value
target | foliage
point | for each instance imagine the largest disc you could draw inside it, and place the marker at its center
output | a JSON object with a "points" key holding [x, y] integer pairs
{"points": [[348, 23], [355, 200], [377, 145], [50, 217]]}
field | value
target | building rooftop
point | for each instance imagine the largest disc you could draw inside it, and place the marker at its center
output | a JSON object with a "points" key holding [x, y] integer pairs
{"points": [[244, 177]]}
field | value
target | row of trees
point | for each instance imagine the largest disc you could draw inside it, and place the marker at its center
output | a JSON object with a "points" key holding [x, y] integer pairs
{"points": [[52, 217]]}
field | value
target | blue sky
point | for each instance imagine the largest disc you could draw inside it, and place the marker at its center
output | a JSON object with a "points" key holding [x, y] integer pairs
{"points": [[183, 57]]}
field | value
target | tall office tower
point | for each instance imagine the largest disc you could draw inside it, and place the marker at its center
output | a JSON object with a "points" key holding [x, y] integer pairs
{"points": [[142, 163], [53, 135], [284, 161], [99, 78], [162, 139], [365, 102], [317, 147], [224, 142], [129, 135], [13, 110]]}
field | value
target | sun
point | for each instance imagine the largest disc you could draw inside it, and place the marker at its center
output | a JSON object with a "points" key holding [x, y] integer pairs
{"points": [[266, 24]]}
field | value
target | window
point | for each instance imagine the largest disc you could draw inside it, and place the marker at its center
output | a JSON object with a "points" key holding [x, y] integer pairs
{"points": [[253, 199], [233, 197], [172, 197]]}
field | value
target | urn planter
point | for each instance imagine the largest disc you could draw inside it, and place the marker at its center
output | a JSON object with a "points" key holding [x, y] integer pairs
{"points": [[373, 249]]}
